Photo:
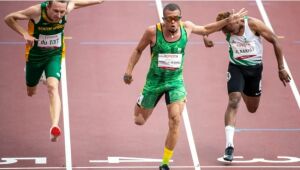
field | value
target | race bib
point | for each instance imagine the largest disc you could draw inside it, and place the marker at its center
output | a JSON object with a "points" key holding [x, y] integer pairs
{"points": [[50, 41], [244, 50], [169, 61]]}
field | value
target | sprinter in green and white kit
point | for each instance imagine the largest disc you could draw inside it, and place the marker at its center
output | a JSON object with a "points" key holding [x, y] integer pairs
{"points": [[167, 41], [45, 47], [245, 68]]}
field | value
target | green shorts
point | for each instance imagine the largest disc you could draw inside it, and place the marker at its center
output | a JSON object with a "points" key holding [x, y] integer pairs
{"points": [[173, 92], [35, 70]]}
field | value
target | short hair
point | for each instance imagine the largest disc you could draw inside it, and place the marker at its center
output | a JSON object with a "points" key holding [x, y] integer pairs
{"points": [[171, 7], [50, 2], [223, 15]]}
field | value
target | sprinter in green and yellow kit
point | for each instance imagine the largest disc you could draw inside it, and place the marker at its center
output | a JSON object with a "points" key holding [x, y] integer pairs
{"points": [[45, 47], [48, 49], [167, 41]]}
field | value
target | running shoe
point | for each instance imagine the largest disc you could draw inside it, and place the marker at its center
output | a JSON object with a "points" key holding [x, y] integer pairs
{"points": [[164, 167], [228, 156]]}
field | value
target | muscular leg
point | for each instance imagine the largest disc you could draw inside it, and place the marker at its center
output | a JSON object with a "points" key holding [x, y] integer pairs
{"points": [[230, 117], [232, 107], [174, 114], [55, 103]]}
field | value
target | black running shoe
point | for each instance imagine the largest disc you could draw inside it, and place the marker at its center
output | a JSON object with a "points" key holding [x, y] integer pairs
{"points": [[228, 156], [164, 167]]}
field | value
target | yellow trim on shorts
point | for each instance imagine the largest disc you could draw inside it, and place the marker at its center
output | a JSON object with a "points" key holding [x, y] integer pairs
{"points": [[30, 32], [63, 54]]}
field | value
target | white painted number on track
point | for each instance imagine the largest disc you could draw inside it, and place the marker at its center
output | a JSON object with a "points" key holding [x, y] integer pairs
{"points": [[116, 160], [37, 160], [281, 159]]}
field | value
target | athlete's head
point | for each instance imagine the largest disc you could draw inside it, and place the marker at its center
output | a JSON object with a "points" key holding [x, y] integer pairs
{"points": [[57, 9], [172, 16], [231, 27]]}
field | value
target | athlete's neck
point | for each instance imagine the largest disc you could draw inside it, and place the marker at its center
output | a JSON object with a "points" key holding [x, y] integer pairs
{"points": [[172, 33]]}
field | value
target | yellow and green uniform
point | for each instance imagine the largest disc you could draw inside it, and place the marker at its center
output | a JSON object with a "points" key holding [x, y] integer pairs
{"points": [[165, 73], [47, 52]]}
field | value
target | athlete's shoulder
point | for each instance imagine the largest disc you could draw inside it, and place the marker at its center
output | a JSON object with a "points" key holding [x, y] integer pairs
{"points": [[255, 23], [187, 24], [151, 30], [32, 12]]}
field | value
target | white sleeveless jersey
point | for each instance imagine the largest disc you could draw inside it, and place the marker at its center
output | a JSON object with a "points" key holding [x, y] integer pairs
{"points": [[247, 49]]}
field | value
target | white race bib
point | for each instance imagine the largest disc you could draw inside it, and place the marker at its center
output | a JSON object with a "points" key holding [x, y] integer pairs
{"points": [[244, 50], [169, 61], [50, 41]]}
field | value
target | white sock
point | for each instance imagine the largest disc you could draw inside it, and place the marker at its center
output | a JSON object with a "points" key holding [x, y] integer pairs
{"points": [[229, 132]]}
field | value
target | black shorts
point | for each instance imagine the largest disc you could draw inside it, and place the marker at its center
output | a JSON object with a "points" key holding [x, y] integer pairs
{"points": [[246, 79]]}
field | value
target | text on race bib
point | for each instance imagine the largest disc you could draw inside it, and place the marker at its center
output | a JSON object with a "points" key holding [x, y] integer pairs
{"points": [[169, 61], [49, 41], [244, 50]]}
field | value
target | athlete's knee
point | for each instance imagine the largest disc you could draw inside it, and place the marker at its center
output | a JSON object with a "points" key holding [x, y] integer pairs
{"points": [[234, 102], [174, 122], [52, 88]]}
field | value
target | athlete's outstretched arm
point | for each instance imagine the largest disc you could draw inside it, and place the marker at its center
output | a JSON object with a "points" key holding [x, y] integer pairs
{"points": [[75, 4], [260, 28], [12, 21], [136, 54], [218, 25]]}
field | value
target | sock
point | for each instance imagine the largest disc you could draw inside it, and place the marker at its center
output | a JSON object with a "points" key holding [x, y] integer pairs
{"points": [[229, 132], [167, 156]]}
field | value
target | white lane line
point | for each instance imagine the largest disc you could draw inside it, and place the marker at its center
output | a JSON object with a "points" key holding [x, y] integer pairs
{"points": [[154, 167], [268, 23], [66, 119], [267, 130], [190, 137], [185, 115]]}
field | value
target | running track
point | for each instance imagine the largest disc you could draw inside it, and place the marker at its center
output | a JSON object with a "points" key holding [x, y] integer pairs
{"points": [[101, 105]]}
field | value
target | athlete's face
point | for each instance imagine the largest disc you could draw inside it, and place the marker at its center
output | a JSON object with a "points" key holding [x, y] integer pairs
{"points": [[172, 20], [234, 27], [56, 11]]}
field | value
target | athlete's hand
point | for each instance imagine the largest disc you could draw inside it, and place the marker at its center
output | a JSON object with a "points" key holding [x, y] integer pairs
{"points": [[236, 17], [127, 78], [207, 42], [284, 76], [29, 39]]}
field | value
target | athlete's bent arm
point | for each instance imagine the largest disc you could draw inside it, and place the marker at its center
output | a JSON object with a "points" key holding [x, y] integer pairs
{"points": [[259, 27], [12, 21], [136, 54], [207, 42]]}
